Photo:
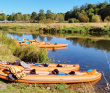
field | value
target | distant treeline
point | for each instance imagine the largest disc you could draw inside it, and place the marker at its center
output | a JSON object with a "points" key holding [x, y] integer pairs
{"points": [[86, 13]]}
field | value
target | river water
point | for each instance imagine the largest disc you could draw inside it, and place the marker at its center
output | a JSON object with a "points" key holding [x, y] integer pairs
{"points": [[89, 54]]}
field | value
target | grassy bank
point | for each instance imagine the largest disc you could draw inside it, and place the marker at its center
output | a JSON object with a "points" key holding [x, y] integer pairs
{"points": [[99, 30], [27, 53], [46, 88]]}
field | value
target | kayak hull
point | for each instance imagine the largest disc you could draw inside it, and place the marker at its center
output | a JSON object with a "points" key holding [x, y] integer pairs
{"points": [[55, 78]]}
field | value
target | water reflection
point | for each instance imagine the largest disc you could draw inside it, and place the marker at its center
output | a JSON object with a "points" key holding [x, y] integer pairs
{"points": [[35, 36], [88, 43]]}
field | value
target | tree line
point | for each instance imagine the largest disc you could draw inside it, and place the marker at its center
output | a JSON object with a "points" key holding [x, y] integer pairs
{"points": [[86, 13]]}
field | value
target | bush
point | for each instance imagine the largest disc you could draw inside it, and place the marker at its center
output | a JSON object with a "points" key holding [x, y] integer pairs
{"points": [[107, 19], [48, 21], [31, 53], [73, 20], [96, 18], [83, 18]]}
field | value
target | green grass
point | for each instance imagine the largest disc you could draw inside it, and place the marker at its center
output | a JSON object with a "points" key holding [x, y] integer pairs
{"points": [[46, 88]]}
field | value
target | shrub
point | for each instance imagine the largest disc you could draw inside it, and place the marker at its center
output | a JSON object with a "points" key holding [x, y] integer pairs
{"points": [[73, 20], [31, 53], [107, 19], [25, 53], [48, 21], [83, 18], [96, 18]]}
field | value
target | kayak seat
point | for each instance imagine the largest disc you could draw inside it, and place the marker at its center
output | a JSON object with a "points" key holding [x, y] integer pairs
{"points": [[24, 65], [33, 71], [55, 72], [55, 44], [72, 73], [59, 65], [45, 64]]}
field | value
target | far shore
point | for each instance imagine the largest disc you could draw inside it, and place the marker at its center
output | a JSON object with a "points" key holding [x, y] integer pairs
{"points": [[56, 24]]}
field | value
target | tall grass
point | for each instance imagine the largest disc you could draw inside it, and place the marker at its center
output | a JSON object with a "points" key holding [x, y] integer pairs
{"points": [[27, 53], [31, 53]]}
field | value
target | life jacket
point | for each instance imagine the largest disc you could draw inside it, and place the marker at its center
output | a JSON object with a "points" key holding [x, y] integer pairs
{"points": [[17, 72]]}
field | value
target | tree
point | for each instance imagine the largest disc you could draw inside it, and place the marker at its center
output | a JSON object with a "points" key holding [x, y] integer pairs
{"points": [[49, 15], [26, 17], [19, 16], [2, 16], [90, 6], [42, 16], [10, 18], [96, 11], [59, 17], [83, 12], [34, 16], [90, 13], [68, 15], [104, 12]]}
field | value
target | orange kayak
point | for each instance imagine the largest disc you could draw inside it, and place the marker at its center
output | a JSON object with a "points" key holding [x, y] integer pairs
{"points": [[51, 45], [77, 77], [22, 43], [43, 67]]}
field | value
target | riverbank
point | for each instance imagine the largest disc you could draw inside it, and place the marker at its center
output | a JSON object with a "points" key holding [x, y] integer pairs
{"points": [[11, 87], [11, 50], [80, 30]]}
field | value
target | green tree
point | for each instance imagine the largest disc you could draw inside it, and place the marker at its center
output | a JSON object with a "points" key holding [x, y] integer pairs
{"points": [[68, 15], [42, 16], [90, 13], [2, 16], [10, 18], [105, 12], [83, 12], [34, 16], [19, 16], [26, 17], [49, 15], [96, 11]]}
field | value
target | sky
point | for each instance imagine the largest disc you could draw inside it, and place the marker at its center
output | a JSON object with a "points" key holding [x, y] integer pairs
{"points": [[29, 6]]}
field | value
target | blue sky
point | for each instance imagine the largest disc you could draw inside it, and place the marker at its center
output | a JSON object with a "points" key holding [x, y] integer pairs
{"points": [[29, 6]]}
